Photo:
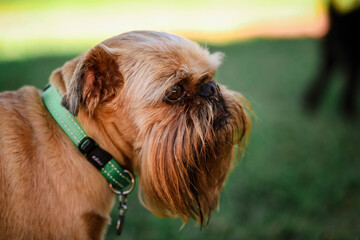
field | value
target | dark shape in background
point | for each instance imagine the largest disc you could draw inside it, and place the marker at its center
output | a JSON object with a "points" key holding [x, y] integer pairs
{"points": [[340, 48]]}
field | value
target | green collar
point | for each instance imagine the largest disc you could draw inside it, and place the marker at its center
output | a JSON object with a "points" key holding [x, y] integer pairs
{"points": [[118, 178]]}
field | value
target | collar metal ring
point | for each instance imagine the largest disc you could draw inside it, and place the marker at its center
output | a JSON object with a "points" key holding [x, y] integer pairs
{"points": [[126, 192]]}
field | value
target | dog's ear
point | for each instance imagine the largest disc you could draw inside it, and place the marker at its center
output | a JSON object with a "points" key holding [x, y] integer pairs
{"points": [[96, 79], [216, 59]]}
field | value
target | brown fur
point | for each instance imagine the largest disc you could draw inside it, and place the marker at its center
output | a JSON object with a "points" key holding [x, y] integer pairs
{"points": [[48, 190], [95, 225]]}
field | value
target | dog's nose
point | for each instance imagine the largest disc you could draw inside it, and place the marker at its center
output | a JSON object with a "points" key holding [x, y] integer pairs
{"points": [[209, 89]]}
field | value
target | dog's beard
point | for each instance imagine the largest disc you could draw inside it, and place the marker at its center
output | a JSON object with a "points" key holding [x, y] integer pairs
{"points": [[185, 158]]}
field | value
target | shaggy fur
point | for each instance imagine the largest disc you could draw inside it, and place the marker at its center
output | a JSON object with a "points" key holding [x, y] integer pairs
{"points": [[181, 152]]}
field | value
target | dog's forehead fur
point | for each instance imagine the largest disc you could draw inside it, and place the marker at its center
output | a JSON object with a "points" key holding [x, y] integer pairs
{"points": [[158, 60]]}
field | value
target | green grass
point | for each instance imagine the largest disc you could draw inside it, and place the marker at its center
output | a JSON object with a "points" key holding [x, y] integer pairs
{"points": [[300, 177]]}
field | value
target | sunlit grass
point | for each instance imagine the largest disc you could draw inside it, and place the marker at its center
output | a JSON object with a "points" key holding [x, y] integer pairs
{"points": [[38, 27]]}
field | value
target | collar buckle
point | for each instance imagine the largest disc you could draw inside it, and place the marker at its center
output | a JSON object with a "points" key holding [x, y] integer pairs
{"points": [[86, 145]]}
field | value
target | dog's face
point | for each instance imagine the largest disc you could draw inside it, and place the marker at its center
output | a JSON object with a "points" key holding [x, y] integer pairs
{"points": [[159, 90]]}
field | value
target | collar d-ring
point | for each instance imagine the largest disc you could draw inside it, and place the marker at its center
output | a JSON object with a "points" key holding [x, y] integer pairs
{"points": [[125, 192]]}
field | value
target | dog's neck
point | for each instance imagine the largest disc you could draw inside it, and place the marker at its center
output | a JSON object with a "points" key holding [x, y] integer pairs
{"points": [[109, 137], [107, 134]]}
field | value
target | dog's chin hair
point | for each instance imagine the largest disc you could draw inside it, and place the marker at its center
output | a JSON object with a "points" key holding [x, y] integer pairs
{"points": [[184, 161]]}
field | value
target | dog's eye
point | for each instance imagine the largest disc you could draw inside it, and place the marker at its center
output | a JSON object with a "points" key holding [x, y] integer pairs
{"points": [[175, 94]]}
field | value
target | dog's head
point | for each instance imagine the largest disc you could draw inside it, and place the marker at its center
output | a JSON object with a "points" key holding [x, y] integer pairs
{"points": [[159, 91]]}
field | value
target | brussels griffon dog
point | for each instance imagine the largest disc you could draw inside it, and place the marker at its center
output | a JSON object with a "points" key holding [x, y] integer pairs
{"points": [[150, 100]]}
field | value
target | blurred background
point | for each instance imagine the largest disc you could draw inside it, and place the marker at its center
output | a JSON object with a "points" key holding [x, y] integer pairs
{"points": [[299, 178]]}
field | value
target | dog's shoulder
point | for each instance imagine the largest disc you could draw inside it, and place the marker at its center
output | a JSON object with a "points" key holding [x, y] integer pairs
{"points": [[25, 96], [20, 111]]}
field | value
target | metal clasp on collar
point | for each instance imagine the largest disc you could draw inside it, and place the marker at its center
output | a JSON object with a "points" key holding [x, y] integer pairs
{"points": [[122, 196]]}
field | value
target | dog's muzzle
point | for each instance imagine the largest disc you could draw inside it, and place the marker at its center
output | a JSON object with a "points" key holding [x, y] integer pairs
{"points": [[211, 91]]}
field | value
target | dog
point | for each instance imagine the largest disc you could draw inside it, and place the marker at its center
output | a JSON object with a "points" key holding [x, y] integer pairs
{"points": [[340, 47], [147, 98]]}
